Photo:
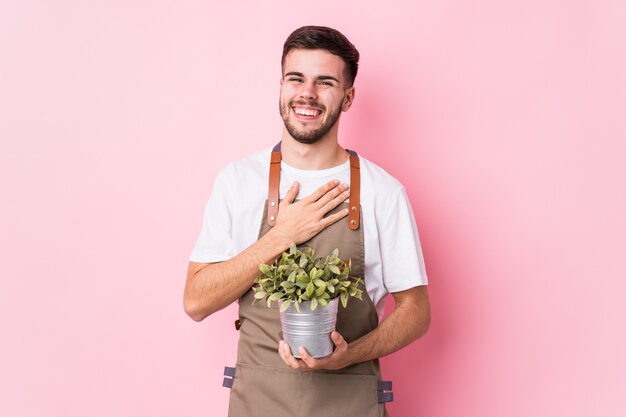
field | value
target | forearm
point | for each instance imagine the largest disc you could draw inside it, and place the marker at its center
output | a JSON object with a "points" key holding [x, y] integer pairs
{"points": [[408, 322], [212, 287]]}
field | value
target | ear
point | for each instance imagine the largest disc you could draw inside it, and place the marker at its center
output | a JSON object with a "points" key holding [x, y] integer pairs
{"points": [[348, 99]]}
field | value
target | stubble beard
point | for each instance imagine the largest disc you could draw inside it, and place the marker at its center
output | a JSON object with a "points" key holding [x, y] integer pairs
{"points": [[308, 137]]}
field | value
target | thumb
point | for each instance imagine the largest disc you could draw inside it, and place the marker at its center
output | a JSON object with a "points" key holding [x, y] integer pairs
{"points": [[337, 338], [292, 192]]}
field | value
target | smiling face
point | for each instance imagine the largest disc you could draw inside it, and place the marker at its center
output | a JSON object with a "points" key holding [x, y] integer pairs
{"points": [[313, 94]]}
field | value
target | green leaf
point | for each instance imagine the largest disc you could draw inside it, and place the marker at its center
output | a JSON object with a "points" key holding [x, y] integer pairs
{"points": [[297, 306], [335, 253], [320, 290], [309, 289], [260, 294], [334, 269], [344, 300], [302, 278], [265, 269], [331, 288], [313, 303], [285, 305], [277, 296], [293, 249], [319, 283], [322, 302]]}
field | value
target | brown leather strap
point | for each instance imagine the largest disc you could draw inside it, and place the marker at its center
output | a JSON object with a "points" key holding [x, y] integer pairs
{"points": [[354, 216], [274, 188]]}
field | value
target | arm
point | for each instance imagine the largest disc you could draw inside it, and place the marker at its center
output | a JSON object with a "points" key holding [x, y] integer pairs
{"points": [[408, 322], [213, 286]]}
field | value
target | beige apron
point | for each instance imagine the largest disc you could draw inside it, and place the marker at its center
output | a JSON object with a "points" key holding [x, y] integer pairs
{"points": [[261, 384]]}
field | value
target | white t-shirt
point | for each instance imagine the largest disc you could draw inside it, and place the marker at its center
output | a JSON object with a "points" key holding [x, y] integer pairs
{"points": [[233, 215]]}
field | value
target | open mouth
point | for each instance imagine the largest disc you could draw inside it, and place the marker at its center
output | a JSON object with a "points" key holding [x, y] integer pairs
{"points": [[306, 113]]}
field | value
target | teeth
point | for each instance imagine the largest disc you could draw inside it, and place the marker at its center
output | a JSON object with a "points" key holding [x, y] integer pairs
{"points": [[306, 112]]}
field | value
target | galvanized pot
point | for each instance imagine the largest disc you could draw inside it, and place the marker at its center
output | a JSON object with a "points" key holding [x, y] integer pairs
{"points": [[310, 328]]}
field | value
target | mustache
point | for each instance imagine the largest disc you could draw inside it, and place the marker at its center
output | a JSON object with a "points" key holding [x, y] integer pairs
{"points": [[308, 103]]}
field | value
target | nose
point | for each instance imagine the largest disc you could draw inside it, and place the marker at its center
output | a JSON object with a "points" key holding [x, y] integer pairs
{"points": [[308, 91]]}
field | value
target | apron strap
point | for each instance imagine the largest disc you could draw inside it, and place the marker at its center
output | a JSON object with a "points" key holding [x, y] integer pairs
{"points": [[354, 216], [354, 203], [274, 186]]}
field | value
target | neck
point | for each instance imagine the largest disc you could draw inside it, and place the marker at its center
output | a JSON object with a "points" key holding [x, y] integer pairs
{"points": [[323, 154]]}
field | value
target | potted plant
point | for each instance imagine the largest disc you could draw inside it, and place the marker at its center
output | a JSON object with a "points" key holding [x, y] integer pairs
{"points": [[308, 290]]}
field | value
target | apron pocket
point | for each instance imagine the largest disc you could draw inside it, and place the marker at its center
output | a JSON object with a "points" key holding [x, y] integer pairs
{"points": [[341, 395], [259, 391]]}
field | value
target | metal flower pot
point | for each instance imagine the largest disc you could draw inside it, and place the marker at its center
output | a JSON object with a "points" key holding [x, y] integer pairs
{"points": [[310, 328]]}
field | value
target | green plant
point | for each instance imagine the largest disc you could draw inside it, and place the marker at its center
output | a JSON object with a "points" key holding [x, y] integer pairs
{"points": [[298, 276]]}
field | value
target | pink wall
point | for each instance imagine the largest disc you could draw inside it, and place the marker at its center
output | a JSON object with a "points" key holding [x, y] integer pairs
{"points": [[505, 120]]}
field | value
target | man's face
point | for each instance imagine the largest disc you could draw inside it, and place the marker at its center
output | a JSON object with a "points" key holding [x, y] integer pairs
{"points": [[313, 93]]}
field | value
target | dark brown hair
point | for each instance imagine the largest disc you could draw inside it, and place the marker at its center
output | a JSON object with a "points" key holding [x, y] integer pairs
{"points": [[331, 40]]}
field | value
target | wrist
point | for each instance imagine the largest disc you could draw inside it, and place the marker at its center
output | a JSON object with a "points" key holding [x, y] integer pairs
{"points": [[278, 240], [355, 353], [348, 358]]}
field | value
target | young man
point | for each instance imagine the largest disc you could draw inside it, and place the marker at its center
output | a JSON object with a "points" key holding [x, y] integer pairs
{"points": [[319, 195]]}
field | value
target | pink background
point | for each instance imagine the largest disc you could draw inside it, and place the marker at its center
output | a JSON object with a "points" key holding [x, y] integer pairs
{"points": [[505, 121]]}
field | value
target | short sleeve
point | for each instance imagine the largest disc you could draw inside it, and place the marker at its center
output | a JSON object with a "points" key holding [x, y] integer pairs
{"points": [[401, 252], [215, 242]]}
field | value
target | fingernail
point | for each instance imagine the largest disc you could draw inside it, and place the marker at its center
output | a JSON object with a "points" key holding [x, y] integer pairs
{"points": [[346, 185], [335, 182]]}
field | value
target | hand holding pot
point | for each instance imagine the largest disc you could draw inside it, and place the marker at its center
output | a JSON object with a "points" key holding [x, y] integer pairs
{"points": [[340, 358]]}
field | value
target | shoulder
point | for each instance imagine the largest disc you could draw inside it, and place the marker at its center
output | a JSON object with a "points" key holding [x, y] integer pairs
{"points": [[378, 181], [245, 169]]}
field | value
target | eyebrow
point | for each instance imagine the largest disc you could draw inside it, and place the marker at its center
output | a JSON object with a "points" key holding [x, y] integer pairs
{"points": [[321, 77]]}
